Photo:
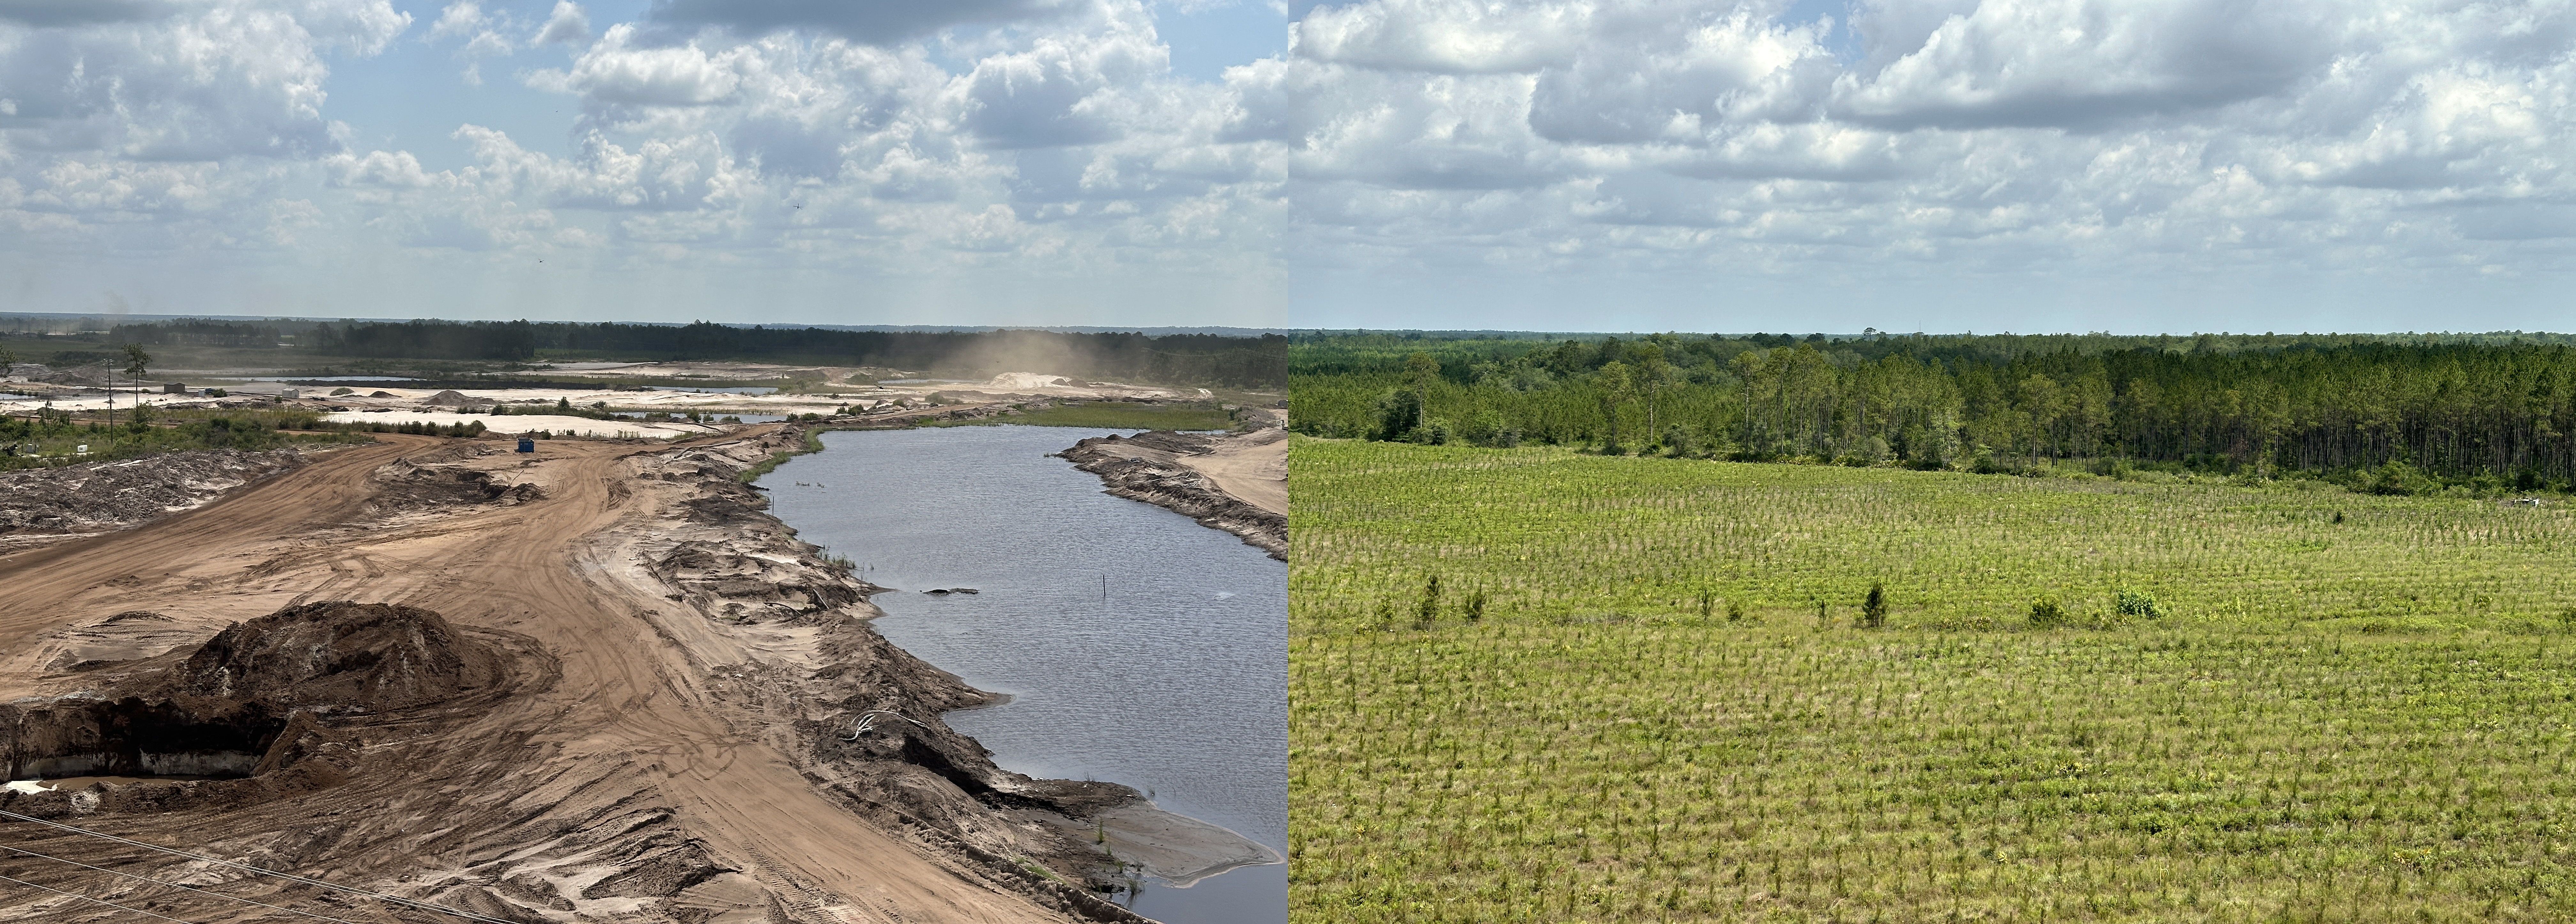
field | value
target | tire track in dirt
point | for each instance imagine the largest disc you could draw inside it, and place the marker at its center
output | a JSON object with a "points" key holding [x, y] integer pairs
{"points": [[608, 742]]}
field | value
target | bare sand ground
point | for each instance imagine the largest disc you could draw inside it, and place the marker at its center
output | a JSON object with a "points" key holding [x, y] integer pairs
{"points": [[621, 735], [1252, 467]]}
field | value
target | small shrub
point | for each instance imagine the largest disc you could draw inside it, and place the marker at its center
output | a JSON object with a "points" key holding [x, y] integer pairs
{"points": [[2046, 613], [2134, 602], [1428, 610], [1873, 609]]}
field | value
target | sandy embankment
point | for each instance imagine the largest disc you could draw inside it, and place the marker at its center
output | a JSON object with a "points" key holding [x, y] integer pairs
{"points": [[1236, 482], [675, 731]]}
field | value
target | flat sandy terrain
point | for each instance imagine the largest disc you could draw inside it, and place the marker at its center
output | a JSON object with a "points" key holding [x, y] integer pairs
{"points": [[621, 734], [1252, 467]]}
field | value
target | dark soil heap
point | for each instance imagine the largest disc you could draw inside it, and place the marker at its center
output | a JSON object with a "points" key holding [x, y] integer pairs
{"points": [[243, 708], [338, 657]]}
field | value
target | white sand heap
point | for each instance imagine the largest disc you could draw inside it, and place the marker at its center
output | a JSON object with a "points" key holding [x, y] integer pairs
{"points": [[1024, 380]]}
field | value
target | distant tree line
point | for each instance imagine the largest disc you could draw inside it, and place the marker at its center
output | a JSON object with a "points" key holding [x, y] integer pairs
{"points": [[197, 333], [2495, 407], [1190, 359]]}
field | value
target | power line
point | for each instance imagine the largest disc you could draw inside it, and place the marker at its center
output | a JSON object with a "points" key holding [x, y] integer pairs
{"points": [[98, 900], [307, 880], [174, 885]]}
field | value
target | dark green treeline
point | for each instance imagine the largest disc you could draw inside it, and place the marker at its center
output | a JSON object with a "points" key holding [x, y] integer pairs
{"points": [[1193, 359], [2500, 407]]}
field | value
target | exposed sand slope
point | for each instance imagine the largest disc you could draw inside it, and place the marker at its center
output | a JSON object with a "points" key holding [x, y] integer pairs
{"points": [[1237, 483], [614, 778]]}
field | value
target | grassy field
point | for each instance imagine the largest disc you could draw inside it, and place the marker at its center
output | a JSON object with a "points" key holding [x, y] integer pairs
{"points": [[2353, 708]]}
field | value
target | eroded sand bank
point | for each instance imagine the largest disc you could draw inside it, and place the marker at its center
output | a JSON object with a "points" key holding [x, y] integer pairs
{"points": [[1234, 482]]}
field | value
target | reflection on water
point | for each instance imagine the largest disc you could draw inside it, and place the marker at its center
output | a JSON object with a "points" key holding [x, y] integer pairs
{"points": [[1137, 646]]}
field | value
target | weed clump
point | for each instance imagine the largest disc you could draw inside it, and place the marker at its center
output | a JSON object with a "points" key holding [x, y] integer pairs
{"points": [[2047, 613], [2131, 601]]}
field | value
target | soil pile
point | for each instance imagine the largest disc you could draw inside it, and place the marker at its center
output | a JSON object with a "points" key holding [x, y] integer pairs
{"points": [[1022, 381], [101, 496], [338, 657], [1146, 476], [243, 709], [430, 480], [737, 586]]}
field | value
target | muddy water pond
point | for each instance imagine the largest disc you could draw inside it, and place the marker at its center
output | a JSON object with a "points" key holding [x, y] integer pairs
{"points": [[1137, 646]]}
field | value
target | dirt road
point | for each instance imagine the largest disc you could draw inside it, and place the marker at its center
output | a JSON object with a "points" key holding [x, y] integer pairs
{"points": [[623, 743]]}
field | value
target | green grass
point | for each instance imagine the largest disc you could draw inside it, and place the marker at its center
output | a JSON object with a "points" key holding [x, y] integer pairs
{"points": [[813, 443], [54, 439], [2356, 721], [1112, 416]]}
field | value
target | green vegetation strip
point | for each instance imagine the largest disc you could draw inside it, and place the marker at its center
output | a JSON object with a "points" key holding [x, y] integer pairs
{"points": [[1649, 720], [813, 443], [53, 438]]}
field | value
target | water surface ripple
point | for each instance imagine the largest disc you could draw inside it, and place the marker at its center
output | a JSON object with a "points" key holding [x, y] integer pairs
{"points": [[1137, 646]]}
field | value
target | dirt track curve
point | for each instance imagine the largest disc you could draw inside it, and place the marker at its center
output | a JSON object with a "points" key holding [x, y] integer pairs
{"points": [[609, 745]]}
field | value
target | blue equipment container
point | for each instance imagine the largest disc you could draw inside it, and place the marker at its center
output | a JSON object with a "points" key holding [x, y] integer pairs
{"points": [[527, 444]]}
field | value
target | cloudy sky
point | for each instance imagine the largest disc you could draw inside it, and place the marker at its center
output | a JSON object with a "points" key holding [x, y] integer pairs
{"points": [[1552, 164]]}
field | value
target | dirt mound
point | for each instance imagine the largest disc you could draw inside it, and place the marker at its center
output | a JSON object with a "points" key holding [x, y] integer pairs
{"points": [[102, 496], [427, 480], [1016, 381], [452, 397], [338, 656], [242, 709], [739, 585]]}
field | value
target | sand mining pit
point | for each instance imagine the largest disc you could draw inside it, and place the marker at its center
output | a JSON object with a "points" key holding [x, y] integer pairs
{"points": [[666, 731]]}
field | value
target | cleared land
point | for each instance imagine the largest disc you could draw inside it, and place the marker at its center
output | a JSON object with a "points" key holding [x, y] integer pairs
{"points": [[671, 740], [2355, 708]]}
